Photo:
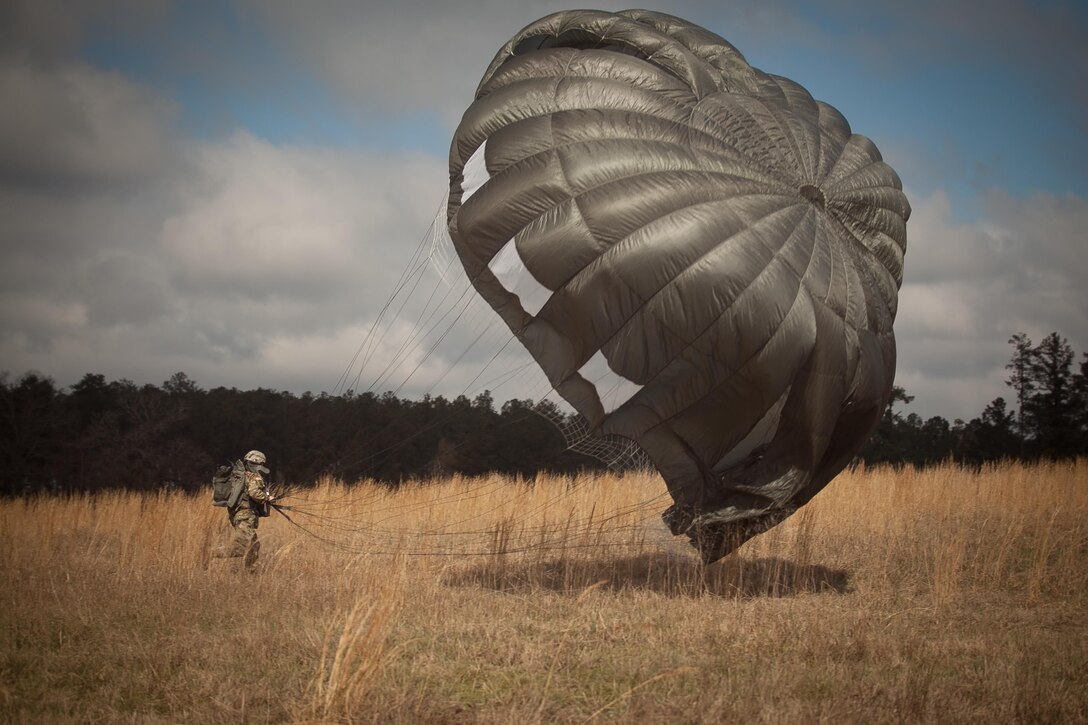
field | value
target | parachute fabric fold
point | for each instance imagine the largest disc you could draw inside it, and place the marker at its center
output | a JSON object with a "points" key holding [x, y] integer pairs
{"points": [[699, 256]]}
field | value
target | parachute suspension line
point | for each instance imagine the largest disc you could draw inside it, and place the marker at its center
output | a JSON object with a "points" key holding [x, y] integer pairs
{"points": [[442, 255], [435, 253], [370, 341], [460, 357], [445, 262], [436, 234], [554, 545], [418, 277], [532, 380], [503, 378], [410, 269], [492, 359], [408, 344], [406, 439], [420, 331], [335, 523], [441, 338], [485, 490], [477, 311], [544, 538]]}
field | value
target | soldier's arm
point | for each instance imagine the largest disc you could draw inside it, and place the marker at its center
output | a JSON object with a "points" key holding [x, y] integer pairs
{"points": [[255, 486]]}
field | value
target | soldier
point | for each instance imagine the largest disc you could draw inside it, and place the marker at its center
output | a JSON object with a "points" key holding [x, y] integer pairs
{"points": [[248, 503]]}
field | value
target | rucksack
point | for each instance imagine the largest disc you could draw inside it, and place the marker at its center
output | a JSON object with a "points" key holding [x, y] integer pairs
{"points": [[228, 483]]}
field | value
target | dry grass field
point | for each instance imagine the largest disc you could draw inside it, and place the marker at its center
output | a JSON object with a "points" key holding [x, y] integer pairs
{"points": [[943, 595]]}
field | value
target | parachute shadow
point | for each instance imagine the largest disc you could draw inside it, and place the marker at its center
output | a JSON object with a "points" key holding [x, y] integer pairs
{"points": [[662, 573]]}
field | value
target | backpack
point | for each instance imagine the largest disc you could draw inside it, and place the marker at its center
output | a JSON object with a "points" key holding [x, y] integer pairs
{"points": [[228, 483]]}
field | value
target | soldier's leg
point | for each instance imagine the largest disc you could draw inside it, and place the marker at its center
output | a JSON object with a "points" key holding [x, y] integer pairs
{"points": [[246, 535], [236, 546]]}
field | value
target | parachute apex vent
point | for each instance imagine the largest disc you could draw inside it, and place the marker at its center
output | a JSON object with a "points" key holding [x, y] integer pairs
{"points": [[814, 194]]}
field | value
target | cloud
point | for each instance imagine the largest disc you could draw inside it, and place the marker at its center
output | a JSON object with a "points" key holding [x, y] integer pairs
{"points": [[256, 245], [74, 124], [134, 249], [413, 55], [970, 286], [282, 240], [1036, 33], [82, 155], [1046, 36], [264, 220], [426, 56], [44, 31], [1031, 42]]}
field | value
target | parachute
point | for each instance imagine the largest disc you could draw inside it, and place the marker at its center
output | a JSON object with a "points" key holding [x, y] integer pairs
{"points": [[699, 256]]}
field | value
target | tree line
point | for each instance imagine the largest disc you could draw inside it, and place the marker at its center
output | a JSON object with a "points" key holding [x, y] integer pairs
{"points": [[105, 434], [115, 434], [1048, 417]]}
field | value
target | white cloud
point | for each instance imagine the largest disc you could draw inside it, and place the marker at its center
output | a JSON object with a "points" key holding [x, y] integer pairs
{"points": [[262, 220], [969, 287], [265, 245], [284, 241]]}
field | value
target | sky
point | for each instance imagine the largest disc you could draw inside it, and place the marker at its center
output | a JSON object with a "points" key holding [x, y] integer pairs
{"points": [[231, 189]]}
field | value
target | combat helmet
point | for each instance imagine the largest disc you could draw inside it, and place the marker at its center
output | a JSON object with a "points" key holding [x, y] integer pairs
{"points": [[257, 460]]}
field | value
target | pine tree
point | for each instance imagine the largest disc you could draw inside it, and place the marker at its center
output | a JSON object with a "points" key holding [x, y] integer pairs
{"points": [[1019, 379], [1080, 395], [1052, 406]]}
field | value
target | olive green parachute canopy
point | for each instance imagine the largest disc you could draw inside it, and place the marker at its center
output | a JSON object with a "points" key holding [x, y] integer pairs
{"points": [[699, 256]]}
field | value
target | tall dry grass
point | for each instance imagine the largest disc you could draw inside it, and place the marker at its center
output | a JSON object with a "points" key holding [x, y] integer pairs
{"points": [[351, 657], [937, 595]]}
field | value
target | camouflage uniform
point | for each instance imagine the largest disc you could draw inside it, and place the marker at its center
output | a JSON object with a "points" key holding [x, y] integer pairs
{"points": [[244, 518]]}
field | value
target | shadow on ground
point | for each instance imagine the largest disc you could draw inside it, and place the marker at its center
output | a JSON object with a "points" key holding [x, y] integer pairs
{"points": [[663, 573]]}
